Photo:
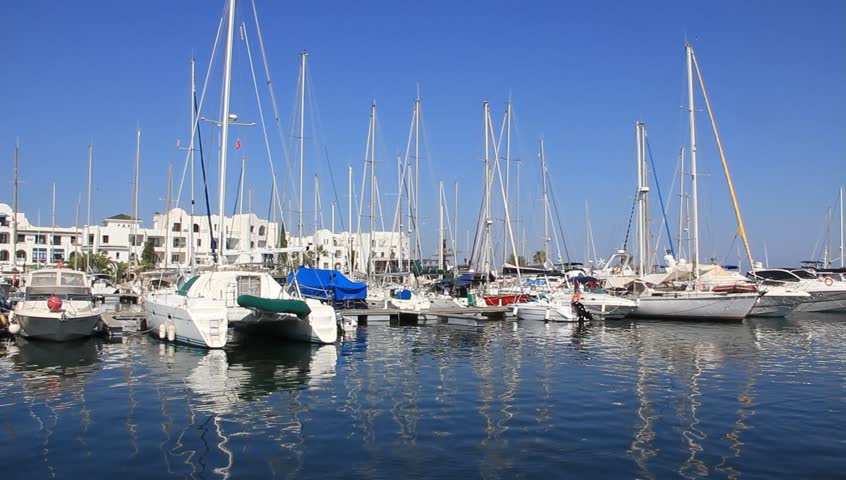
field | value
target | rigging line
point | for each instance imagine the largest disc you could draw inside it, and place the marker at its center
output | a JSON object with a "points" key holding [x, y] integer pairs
{"points": [[198, 108], [560, 230], [629, 227], [285, 151], [260, 109], [205, 186], [660, 199]]}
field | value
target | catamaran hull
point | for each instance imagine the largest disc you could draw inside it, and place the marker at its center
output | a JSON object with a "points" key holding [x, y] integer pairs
{"points": [[55, 328], [200, 327], [545, 312], [314, 329], [609, 308], [696, 307]]}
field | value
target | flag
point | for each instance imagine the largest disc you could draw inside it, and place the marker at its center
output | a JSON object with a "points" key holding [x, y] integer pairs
{"points": [[238, 144]]}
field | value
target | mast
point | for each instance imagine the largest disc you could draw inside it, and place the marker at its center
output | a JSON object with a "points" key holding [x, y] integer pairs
{"points": [[488, 221], [134, 189], [545, 205], [15, 211], [417, 176], [642, 206], [827, 249], [740, 228], [303, 56], [681, 201], [507, 168], [76, 230], [455, 231], [316, 187], [349, 217], [53, 228], [224, 135], [88, 199], [167, 215], [694, 189], [192, 258], [841, 226], [441, 199], [370, 240]]}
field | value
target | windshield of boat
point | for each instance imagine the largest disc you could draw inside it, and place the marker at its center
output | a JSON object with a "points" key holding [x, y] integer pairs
{"points": [[804, 274], [776, 275]]}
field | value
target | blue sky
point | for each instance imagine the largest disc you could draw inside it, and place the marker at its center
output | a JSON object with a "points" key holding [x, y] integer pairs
{"points": [[580, 75]]}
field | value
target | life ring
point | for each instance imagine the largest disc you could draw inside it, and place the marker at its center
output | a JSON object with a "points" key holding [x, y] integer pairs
{"points": [[828, 281], [576, 297]]}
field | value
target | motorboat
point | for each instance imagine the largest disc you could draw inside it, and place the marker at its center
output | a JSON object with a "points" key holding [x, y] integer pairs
{"points": [[57, 305]]}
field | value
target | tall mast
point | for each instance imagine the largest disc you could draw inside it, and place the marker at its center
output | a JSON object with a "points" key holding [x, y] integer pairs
{"points": [[488, 221], [303, 56], [88, 207], [642, 206], [349, 217], [417, 176], [135, 186], [507, 167], [455, 230], [827, 249], [545, 205], [15, 212], [192, 258], [224, 135], [681, 201], [53, 228], [841, 228], [316, 187], [441, 199], [373, 194], [694, 189], [76, 230], [167, 215]]}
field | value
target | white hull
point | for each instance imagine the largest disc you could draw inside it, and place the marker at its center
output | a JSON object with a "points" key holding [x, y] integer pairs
{"points": [[47, 325], [543, 311], [321, 325], [608, 306], [834, 301], [693, 306], [778, 302], [203, 324]]}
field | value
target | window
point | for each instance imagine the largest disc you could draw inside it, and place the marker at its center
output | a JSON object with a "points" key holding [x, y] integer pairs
{"points": [[21, 237], [199, 242], [261, 230], [178, 242], [39, 255], [4, 237], [176, 227], [249, 285], [58, 255], [90, 239], [41, 239], [252, 228], [73, 239], [4, 255], [4, 221], [196, 228], [105, 239], [174, 258], [57, 239], [117, 255]]}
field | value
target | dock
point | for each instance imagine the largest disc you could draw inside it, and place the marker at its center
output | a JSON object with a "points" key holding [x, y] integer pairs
{"points": [[396, 316]]}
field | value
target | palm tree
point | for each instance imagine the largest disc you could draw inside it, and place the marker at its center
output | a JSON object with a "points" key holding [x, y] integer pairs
{"points": [[539, 258]]}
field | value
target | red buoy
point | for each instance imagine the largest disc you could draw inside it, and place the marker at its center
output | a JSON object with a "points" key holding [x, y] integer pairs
{"points": [[54, 303]]}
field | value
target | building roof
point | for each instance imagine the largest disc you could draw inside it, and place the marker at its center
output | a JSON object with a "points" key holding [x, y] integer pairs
{"points": [[121, 216]]}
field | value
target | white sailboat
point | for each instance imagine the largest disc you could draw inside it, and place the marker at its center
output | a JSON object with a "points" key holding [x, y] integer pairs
{"points": [[657, 297], [201, 311]]}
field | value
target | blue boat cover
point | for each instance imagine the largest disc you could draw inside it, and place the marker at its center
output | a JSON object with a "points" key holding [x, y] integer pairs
{"points": [[403, 295], [328, 285]]}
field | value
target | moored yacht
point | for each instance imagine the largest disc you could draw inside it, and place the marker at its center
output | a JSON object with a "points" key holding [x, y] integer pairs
{"points": [[57, 305]]}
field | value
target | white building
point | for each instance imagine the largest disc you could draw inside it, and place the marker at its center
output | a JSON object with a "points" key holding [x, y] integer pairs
{"points": [[178, 236]]}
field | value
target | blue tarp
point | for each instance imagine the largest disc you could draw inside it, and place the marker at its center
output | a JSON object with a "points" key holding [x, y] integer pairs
{"points": [[328, 284], [403, 294]]}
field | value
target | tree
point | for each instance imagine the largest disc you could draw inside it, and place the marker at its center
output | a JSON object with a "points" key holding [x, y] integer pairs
{"points": [[539, 258], [521, 260], [118, 271], [148, 255]]}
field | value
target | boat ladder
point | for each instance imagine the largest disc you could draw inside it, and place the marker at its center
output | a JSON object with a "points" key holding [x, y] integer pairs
{"points": [[214, 330]]}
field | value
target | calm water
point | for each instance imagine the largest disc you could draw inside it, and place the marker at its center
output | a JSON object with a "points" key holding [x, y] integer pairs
{"points": [[758, 399]]}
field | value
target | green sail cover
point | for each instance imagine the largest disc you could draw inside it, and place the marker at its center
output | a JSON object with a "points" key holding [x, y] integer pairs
{"points": [[297, 307]]}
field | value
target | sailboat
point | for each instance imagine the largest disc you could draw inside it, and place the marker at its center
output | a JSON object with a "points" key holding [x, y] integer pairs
{"points": [[201, 311], [677, 293]]}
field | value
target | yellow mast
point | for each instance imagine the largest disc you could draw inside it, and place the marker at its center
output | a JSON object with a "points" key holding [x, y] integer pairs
{"points": [[740, 229]]}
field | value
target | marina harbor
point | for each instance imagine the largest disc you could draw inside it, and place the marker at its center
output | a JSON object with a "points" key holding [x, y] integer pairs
{"points": [[252, 239]]}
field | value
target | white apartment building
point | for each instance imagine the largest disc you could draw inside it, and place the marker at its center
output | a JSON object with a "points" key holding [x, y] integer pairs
{"points": [[177, 236]]}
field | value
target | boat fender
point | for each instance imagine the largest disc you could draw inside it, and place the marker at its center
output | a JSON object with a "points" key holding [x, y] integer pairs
{"points": [[3, 321], [162, 333], [514, 312], [54, 303], [829, 281], [171, 333], [546, 315], [14, 328]]}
